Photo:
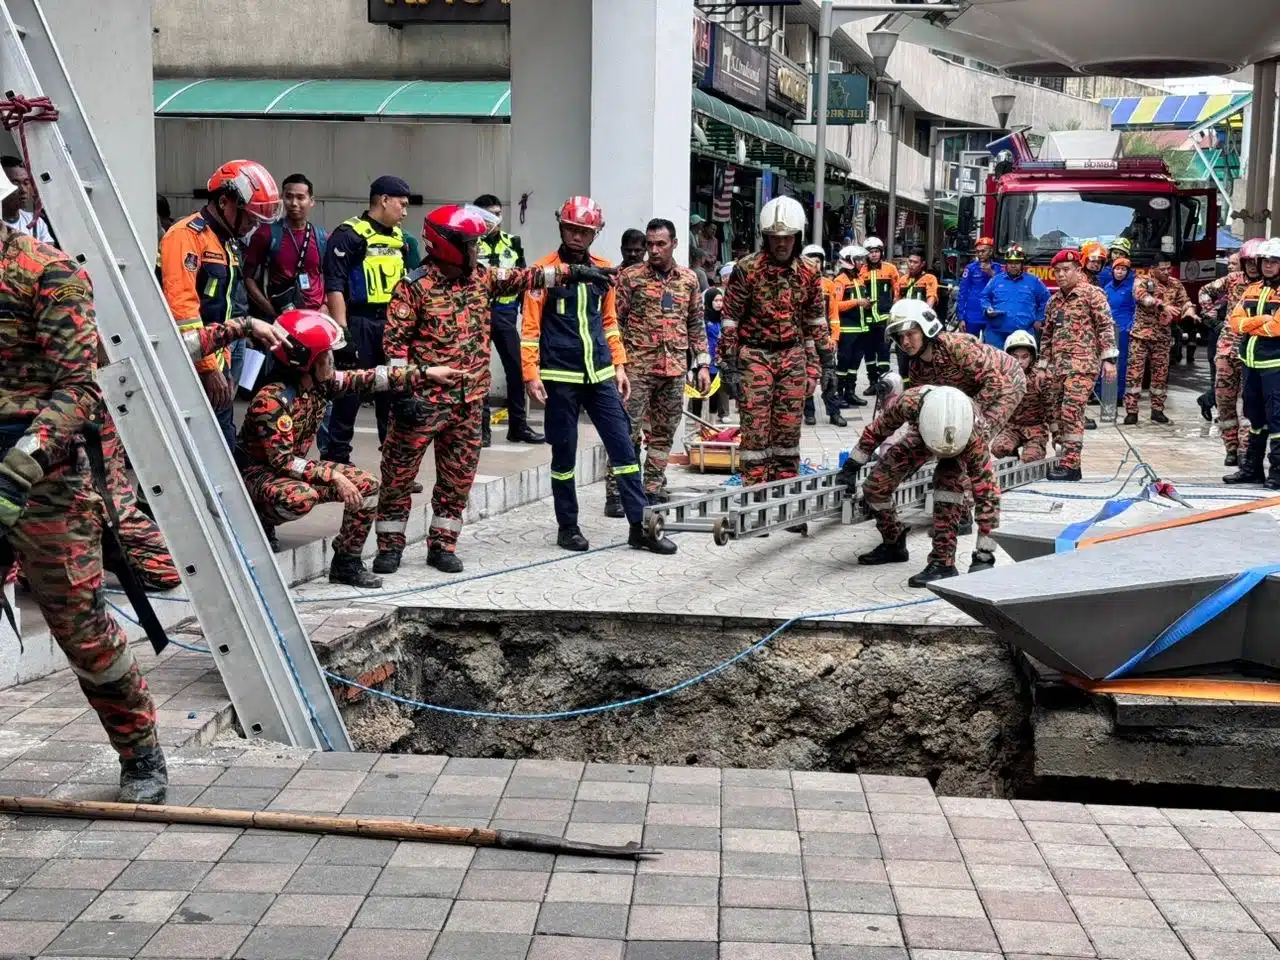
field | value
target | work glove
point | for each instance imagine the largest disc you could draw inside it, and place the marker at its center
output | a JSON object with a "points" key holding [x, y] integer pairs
{"points": [[348, 358], [599, 277], [19, 472], [849, 476], [830, 383]]}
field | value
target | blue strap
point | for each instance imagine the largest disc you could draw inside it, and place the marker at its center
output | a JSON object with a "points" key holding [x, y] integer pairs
{"points": [[1066, 541], [1203, 612]]}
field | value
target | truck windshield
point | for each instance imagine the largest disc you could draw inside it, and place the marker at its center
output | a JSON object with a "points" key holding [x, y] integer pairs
{"points": [[1045, 223]]}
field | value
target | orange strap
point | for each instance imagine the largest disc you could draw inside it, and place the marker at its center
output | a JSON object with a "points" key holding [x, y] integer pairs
{"points": [[1248, 691], [1182, 521]]}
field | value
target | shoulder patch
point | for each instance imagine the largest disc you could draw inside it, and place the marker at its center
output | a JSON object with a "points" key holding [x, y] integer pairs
{"points": [[191, 262], [197, 225], [402, 310], [285, 423], [416, 274]]}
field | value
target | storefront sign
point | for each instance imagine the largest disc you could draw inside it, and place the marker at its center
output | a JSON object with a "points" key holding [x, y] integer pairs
{"points": [[701, 47], [439, 11], [846, 99], [788, 85], [738, 70]]}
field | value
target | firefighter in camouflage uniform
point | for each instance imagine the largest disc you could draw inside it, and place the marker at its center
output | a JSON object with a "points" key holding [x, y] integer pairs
{"points": [[1078, 340], [1161, 304], [144, 547], [440, 315], [1026, 435], [1223, 296], [51, 516], [776, 341]]}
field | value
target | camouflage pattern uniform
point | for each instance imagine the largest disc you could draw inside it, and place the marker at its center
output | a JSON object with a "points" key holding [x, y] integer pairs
{"points": [[144, 547], [972, 468], [49, 346], [774, 325], [1151, 339], [1228, 368], [433, 320], [1028, 430], [1078, 335], [661, 319]]}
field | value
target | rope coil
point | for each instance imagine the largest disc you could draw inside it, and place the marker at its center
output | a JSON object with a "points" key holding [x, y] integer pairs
{"points": [[16, 112]]}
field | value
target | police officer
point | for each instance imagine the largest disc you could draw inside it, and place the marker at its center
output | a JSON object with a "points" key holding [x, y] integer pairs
{"points": [[365, 259], [500, 249]]}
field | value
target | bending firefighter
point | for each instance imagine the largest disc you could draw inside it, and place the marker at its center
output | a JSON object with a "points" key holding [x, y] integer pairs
{"points": [[941, 422], [1256, 321], [776, 340], [1026, 436]]}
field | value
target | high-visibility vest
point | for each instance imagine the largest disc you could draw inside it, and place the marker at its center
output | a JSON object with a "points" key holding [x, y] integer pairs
{"points": [[383, 265], [501, 254]]}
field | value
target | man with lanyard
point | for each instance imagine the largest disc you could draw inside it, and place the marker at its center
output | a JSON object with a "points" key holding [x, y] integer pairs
{"points": [[853, 306], [975, 279], [364, 261], [1255, 321], [881, 282], [499, 249], [283, 265]]}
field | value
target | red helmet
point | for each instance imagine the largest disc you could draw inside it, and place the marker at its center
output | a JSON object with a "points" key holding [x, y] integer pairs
{"points": [[311, 333], [251, 185], [985, 242], [582, 212], [447, 231]]}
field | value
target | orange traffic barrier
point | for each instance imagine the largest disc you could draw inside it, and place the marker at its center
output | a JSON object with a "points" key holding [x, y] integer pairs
{"points": [[1205, 517], [1246, 691]]}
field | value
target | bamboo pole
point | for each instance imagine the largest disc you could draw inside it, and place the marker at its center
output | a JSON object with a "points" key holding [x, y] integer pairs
{"points": [[381, 829]]}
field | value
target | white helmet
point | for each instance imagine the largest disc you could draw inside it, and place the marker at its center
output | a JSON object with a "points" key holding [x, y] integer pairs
{"points": [[1020, 338], [946, 421], [814, 250], [782, 216], [906, 314], [1269, 249], [727, 270], [852, 253], [874, 243]]}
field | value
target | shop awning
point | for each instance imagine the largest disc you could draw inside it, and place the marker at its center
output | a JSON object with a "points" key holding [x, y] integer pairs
{"points": [[771, 142], [1175, 112], [407, 99]]}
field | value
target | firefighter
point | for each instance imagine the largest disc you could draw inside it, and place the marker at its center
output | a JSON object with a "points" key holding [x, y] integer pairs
{"points": [[831, 401], [1161, 304], [52, 518], [776, 341], [1227, 365], [853, 305], [201, 270], [1255, 322], [574, 359], [941, 422], [881, 281], [1094, 257], [975, 279], [439, 316], [1027, 433], [1078, 340]]}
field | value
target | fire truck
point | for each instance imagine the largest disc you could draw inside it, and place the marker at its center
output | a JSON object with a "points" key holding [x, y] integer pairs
{"points": [[1080, 189]]}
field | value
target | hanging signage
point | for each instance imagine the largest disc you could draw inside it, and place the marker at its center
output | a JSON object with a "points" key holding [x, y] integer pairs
{"points": [[846, 99], [701, 47], [439, 11], [788, 85], [738, 70]]}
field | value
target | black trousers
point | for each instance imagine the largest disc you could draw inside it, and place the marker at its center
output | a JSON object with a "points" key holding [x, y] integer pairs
{"points": [[366, 335], [504, 329]]}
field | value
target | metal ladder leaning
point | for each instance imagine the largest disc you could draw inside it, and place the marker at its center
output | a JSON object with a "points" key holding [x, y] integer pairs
{"points": [[157, 401]]}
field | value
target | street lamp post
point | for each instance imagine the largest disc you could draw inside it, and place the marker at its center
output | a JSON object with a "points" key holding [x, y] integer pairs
{"points": [[1003, 104], [834, 14]]}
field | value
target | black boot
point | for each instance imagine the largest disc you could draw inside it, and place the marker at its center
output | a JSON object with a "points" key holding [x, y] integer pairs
{"points": [[810, 420], [388, 561], [1090, 423], [446, 561], [1130, 419], [1231, 460], [524, 434], [639, 540], [417, 487], [657, 497], [1250, 462], [1061, 473], [871, 390], [613, 506], [838, 421], [981, 560], [1273, 478], [1157, 416], [346, 568], [486, 433], [144, 777], [933, 572], [571, 538], [855, 401], [888, 552]]}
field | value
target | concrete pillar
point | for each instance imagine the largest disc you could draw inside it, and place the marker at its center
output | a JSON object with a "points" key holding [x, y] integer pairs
{"points": [[1262, 127], [107, 49], [641, 109]]}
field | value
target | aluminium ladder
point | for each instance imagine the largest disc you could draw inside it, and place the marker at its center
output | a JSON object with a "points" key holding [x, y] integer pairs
{"points": [[156, 398]]}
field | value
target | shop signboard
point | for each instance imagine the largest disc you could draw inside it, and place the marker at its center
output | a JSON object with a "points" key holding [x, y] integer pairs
{"points": [[398, 12], [738, 70], [846, 99], [701, 46], [788, 86]]}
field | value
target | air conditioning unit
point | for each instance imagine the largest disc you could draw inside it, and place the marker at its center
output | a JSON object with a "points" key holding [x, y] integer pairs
{"points": [[835, 66]]}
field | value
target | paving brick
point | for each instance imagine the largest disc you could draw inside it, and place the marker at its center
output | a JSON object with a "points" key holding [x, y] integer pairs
{"points": [[77, 874], [910, 824], [739, 840], [575, 948], [1137, 943], [290, 943], [1051, 810], [550, 769], [270, 848], [1152, 860], [662, 792], [994, 876], [1224, 838], [977, 807], [513, 808], [1224, 819], [160, 875], [352, 851], [594, 888], [1001, 851], [1256, 862], [345, 761], [948, 933], [866, 869], [764, 926], [367, 944], [306, 909], [846, 800], [469, 786], [840, 821], [237, 798], [93, 939], [666, 922], [576, 864], [617, 771], [106, 845], [1038, 936], [247, 877], [262, 777], [432, 855], [759, 818], [410, 763], [1046, 905], [45, 904], [455, 808], [909, 847], [1082, 855], [491, 859], [1053, 831], [601, 921], [513, 885], [1116, 912], [988, 828], [842, 896], [864, 846], [223, 908], [620, 790], [765, 951], [332, 879], [402, 913], [663, 837], [188, 846], [21, 845], [587, 811], [488, 916], [733, 776], [938, 902], [922, 873], [826, 951], [1221, 945], [669, 950], [1174, 886], [705, 776], [1251, 889], [761, 865], [1098, 883], [1194, 915], [610, 834], [754, 892], [140, 906], [856, 929], [27, 937], [1144, 835], [740, 795], [186, 941], [684, 814], [418, 882], [922, 804], [378, 803], [540, 788]]}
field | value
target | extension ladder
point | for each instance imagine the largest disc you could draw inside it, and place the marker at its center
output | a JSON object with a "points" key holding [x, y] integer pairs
{"points": [[157, 401]]}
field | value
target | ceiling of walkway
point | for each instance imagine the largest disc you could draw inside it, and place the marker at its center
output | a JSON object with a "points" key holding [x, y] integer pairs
{"points": [[1124, 38]]}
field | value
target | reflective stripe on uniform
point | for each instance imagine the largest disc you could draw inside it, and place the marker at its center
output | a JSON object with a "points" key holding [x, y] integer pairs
{"points": [[751, 456], [298, 467], [948, 496], [728, 325], [446, 523], [562, 475], [391, 526], [549, 276], [881, 505], [1072, 438], [986, 543], [369, 503], [1228, 424], [381, 378], [187, 325], [625, 469], [118, 670], [397, 364], [785, 451]]}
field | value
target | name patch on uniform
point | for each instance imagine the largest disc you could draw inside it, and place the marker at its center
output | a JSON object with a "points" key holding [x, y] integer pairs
{"points": [[191, 262], [285, 423]]}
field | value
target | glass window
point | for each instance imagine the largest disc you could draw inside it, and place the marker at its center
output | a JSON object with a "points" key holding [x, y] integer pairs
{"points": [[1045, 223]]}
